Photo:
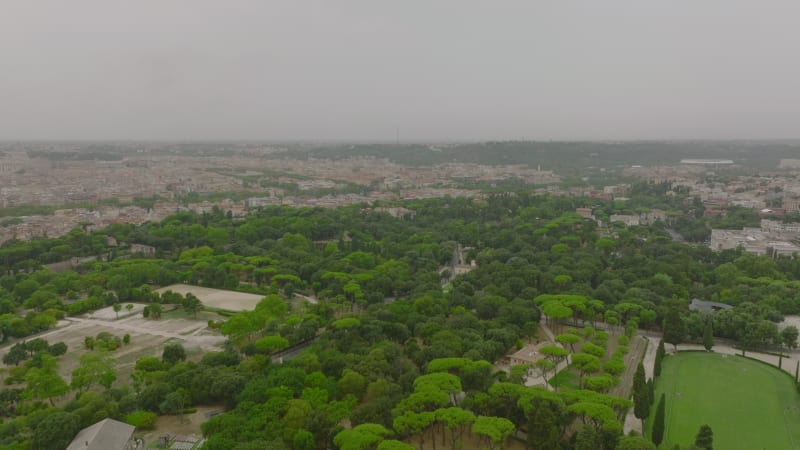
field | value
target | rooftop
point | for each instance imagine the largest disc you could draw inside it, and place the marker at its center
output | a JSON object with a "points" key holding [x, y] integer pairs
{"points": [[529, 353], [706, 161], [108, 434]]}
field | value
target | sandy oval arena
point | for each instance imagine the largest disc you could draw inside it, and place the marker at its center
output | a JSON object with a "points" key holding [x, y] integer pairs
{"points": [[217, 298]]}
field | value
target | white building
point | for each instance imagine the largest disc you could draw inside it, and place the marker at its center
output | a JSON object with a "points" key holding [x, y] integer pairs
{"points": [[628, 220], [753, 240]]}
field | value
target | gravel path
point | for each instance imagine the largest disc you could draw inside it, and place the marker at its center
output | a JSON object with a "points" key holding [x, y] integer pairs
{"points": [[533, 380], [637, 349], [649, 360]]}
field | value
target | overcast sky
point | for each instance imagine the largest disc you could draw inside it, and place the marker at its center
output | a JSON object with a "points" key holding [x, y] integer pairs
{"points": [[435, 69]]}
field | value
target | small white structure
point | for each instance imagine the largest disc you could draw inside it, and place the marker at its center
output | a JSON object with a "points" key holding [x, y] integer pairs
{"points": [[628, 220], [707, 307]]}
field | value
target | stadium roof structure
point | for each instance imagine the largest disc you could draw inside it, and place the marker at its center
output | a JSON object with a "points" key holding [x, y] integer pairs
{"points": [[707, 161]]}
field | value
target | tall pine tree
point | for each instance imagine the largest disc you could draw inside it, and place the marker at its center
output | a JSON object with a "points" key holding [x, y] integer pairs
{"points": [[660, 353], [588, 439], [658, 422], [708, 336], [544, 419], [641, 395]]}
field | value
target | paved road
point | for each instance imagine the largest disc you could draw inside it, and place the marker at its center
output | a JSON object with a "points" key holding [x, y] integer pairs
{"points": [[291, 352]]}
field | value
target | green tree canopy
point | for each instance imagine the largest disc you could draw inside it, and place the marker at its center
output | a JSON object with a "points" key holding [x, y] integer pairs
{"points": [[495, 429], [96, 367]]}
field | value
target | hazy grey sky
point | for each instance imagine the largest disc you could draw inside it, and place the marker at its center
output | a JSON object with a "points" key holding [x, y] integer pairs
{"points": [[436, 69]]}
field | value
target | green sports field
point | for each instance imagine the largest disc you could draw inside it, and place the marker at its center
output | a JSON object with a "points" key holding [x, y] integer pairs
{"points": [[749, 405]]}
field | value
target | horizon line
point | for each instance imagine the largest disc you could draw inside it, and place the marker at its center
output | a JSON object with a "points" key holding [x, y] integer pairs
{"points": [[392, 142]]}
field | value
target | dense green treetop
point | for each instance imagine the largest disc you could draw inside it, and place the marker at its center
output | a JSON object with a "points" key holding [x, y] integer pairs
{"points": [[388, 343]]}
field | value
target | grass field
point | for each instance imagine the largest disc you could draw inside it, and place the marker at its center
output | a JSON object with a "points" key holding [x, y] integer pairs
{"points": [[564, 380], [749, 405]]}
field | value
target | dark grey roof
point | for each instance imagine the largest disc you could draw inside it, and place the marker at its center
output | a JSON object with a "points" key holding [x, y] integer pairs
{"points": [[108, 434]]}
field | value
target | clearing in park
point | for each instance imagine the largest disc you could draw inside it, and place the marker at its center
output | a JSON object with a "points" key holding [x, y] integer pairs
{"points": [[748, 404], [218, 298]]}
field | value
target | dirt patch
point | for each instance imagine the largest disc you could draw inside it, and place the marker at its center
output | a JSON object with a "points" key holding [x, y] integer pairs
{"points": [[173, 425], [217, 298], [148, 338], [108, 312]]}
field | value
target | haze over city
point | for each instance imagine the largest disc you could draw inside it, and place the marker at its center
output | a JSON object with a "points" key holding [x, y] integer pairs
{"points": [[361, 70], [408, 225]]}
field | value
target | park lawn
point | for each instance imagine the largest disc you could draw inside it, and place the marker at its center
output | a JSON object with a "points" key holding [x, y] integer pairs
{"points": [[747, 404], [564, 380]]}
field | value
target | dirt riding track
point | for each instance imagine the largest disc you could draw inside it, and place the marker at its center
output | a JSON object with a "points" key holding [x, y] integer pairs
{"points": [[217, 298], [147, 339]]}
